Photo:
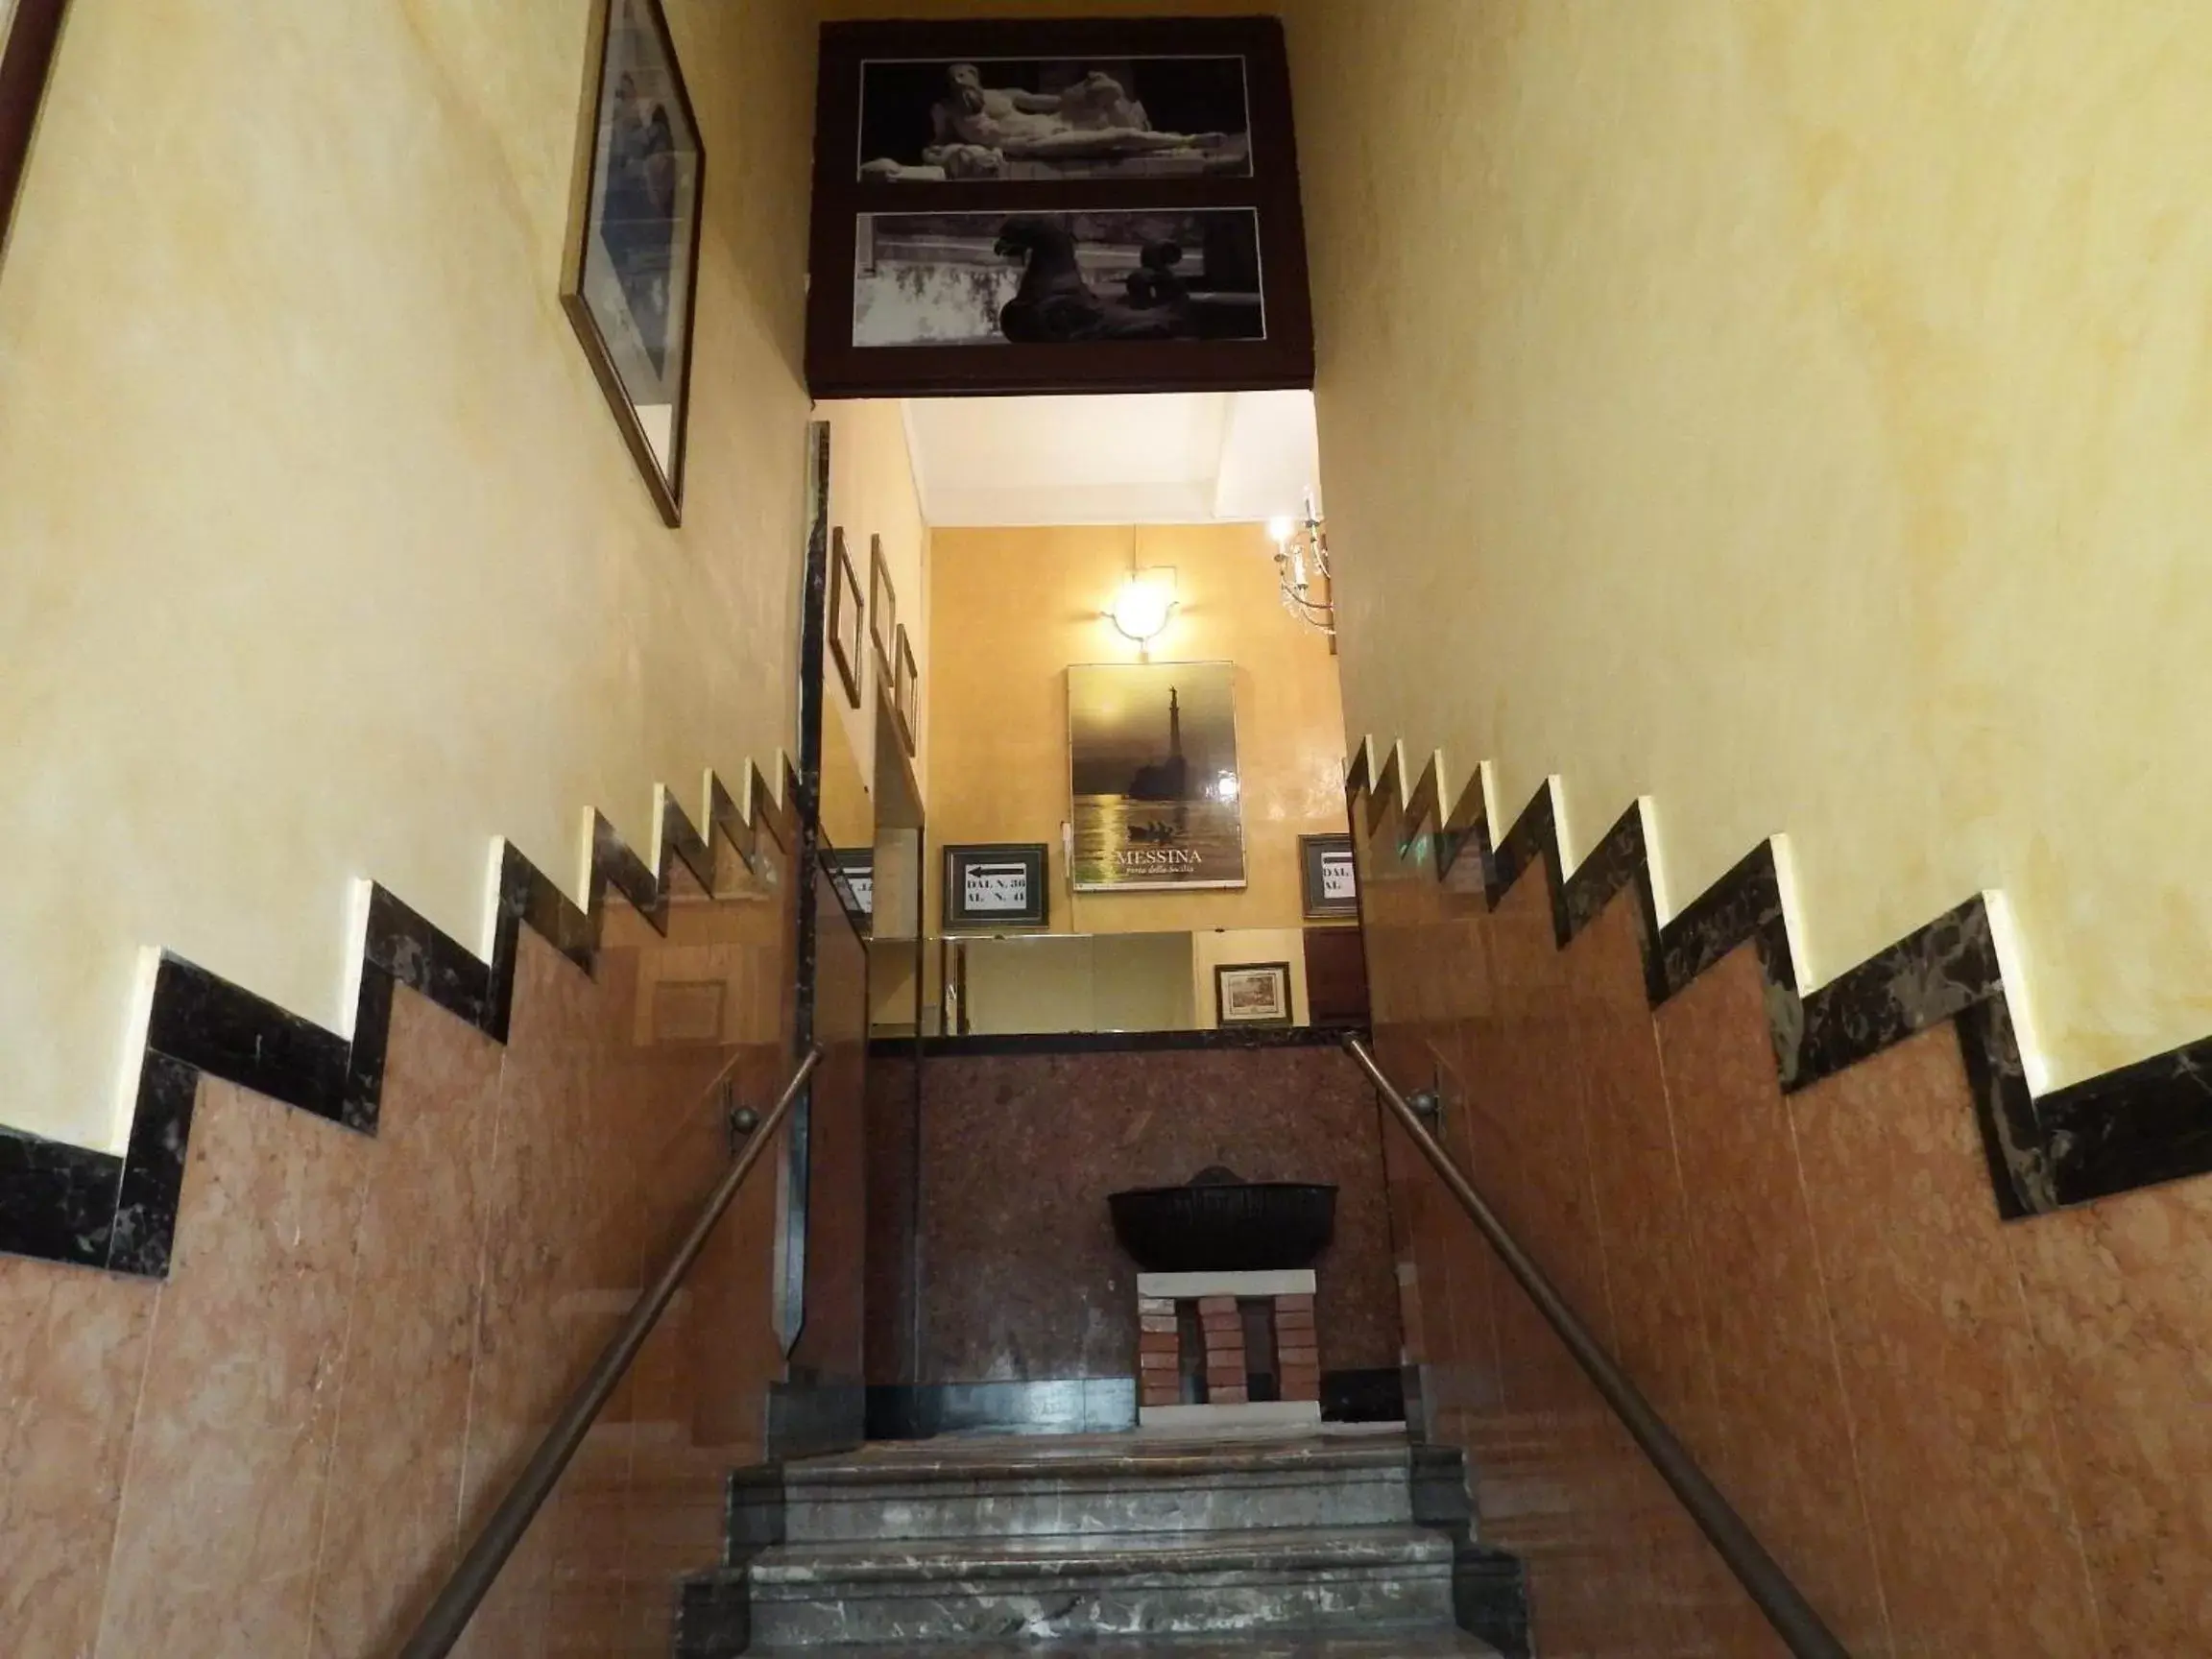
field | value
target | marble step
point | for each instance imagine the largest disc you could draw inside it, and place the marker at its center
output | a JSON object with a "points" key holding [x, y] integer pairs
{"points": [[1413, 1641], [1072, 1587], [998, 1489]]}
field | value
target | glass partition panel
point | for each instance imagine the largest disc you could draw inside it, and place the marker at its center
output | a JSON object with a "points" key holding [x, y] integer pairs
{"points": [[1036, 983]]}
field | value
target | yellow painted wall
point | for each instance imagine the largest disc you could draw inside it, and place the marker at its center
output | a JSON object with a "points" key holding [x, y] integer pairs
{"points": [[1797, 411], [1010, 609], [320, 555], [872, 494]]}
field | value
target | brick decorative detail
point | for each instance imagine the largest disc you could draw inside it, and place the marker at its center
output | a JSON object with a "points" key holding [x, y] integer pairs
{"points": [[1222, 1362]]}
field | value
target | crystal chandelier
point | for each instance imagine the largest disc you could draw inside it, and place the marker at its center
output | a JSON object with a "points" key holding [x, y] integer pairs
{"points": [[1302, 567]]}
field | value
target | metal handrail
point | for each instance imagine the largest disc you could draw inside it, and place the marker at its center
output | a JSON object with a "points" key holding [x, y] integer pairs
{"points": [[472, 1579], [1784, 1605]]}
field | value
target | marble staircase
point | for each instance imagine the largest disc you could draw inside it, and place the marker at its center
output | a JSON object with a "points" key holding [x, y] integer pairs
{"points": [[1330, 1544]]}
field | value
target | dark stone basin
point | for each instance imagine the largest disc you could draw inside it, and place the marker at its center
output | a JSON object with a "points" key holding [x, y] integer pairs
{"points": [[1219, 1224]]}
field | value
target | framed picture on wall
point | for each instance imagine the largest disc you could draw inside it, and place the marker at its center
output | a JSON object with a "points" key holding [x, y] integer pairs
{"points": [[853, 871], [995, 884], [1252, 993], [29, 32], [845, 634], [1070, 204], [1327, 877], [906, 699], [883, 609], [631, 270], [1157, 800]]}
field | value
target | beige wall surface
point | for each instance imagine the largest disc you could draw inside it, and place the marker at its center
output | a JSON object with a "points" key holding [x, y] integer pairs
{"points": [[324, 556], [1796, 413], [1010, 609], [871, 494]]}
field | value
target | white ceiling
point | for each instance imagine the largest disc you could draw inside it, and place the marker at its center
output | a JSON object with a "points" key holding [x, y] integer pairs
{"points": [[1172, 458]]}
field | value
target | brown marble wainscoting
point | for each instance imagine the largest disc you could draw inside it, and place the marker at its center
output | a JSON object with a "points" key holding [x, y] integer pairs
{"points": [[280, 1447], [828, 1351], [1960, 1435], [894, 1192], [1021, 1278]]}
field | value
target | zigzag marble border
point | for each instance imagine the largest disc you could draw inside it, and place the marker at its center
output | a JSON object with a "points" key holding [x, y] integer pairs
{"points": [[2136, 1126], [64, 1203]]}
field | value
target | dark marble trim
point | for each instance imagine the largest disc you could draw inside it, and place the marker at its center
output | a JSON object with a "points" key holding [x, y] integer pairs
{"points": [[92, 1209], [1359, 772], [1390, 788], [1129, 1042], [2134, 1127]]}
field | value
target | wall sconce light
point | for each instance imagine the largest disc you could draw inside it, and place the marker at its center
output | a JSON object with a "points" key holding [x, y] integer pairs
{"points": [[1145, 605], [1302, 569]]}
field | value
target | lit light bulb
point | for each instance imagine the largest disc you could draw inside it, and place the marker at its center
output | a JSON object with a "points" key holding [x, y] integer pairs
{"points": [[1226, 787], [1142, 609], [1279, 528]]}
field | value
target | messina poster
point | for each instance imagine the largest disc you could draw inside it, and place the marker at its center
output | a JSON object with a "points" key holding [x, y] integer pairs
{"points": [[1157, 795]]}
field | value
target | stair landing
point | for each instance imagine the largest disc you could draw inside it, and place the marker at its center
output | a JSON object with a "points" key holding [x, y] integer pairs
{"points": [[1260, 1545]]}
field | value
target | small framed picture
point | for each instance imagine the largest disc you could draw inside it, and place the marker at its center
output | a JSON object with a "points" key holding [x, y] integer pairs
{"points": [[907, 697], [633, 259], [852, 871], [844, 616], [29, 32], [882, 609], [1329, 877], [1252, 993], [998, 884]]}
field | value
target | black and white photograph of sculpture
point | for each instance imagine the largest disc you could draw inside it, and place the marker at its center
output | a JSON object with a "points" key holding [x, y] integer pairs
{"points": [[938, 121], [1057, 279]]}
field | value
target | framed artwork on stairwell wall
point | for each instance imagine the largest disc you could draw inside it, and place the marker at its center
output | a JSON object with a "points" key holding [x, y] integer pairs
{"points": [[907, 696], [845, 625], [1155, 796], [1079, 205], [30, 32], [631, 274], [995, 884], [1252, 992], [882, 611]]}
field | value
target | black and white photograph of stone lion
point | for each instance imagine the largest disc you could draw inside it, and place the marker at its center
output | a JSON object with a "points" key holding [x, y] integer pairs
{"points": [[942, 121]]}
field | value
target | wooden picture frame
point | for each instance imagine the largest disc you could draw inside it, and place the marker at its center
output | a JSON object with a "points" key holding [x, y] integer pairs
{"points": [[630, 273], [845, 626], [1243, 225], [1327, 877], [906, 691], [995, 885], [882, 610], [1252, 993], [29, 38]]}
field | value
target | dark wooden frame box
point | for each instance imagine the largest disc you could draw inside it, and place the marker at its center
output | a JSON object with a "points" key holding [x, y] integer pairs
{"points": [[837, 367], [666, 487], [956, 917], [26, 62]]}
